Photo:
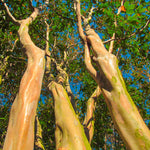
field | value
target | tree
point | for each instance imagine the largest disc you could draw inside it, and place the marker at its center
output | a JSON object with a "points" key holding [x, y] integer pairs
{"points": [[69, 132]]}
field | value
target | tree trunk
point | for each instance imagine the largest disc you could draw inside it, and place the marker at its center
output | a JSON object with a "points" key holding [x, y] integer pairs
{"points": [[124, 113], [69, 133], [20, 133], [89, 117]]}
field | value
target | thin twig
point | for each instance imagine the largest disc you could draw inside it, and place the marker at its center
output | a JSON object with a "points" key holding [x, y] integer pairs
{"points": [[17, 22], [114, 34], [147, 23]]}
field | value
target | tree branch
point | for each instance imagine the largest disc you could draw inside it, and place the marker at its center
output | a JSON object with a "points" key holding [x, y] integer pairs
{"points": [[139, 30], [88, 64], [48, 59], [147, 23], [79, 21], [16, 22], [88, 120], [3, 64], [113, 37], [69, 91], [89, 15]]}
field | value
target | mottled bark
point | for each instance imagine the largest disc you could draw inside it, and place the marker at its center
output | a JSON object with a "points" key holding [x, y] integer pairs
{"points": [[20, 132], [124, 113], [89, 118], [69, 133]]}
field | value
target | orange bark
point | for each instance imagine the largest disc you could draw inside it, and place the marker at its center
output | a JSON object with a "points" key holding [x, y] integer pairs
{"points": [[20, 132], [124, 113]]}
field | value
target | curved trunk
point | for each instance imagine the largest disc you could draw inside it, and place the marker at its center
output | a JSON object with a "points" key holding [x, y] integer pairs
{"points": [[123, 111], [20, 133]]}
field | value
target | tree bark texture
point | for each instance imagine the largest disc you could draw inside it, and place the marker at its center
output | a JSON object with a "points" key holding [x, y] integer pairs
{"points": [[20, 132], [89, 118], [124, 113], [69, 133]]}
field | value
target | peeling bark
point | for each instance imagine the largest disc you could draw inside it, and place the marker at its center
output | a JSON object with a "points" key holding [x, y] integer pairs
{"points": [[69, 133], [124, 113], [20, 132]]}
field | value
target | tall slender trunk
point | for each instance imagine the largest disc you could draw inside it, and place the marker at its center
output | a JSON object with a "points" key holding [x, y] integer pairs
{"points": [[20, 132]]}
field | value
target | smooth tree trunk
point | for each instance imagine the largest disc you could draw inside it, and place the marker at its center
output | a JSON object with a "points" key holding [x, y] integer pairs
{"points": [[69, 133], [124, 113], [20, 132]]}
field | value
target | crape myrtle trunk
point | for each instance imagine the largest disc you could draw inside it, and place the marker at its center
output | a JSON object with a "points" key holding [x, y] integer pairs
{"points": [[20, 132], [124, 113], [69, 133]]}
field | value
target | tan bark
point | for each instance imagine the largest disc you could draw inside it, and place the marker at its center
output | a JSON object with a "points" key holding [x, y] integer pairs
{"points": [[124, 113], [69, 133], [89, 118], [20, 132]]}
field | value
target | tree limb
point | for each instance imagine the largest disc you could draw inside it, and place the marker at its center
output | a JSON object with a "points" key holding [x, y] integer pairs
{"points": [[113, 37], [139, 30], [79, 21], [16, 22], [89, 120], [147, 23], [88, 64], [48, 59]]}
